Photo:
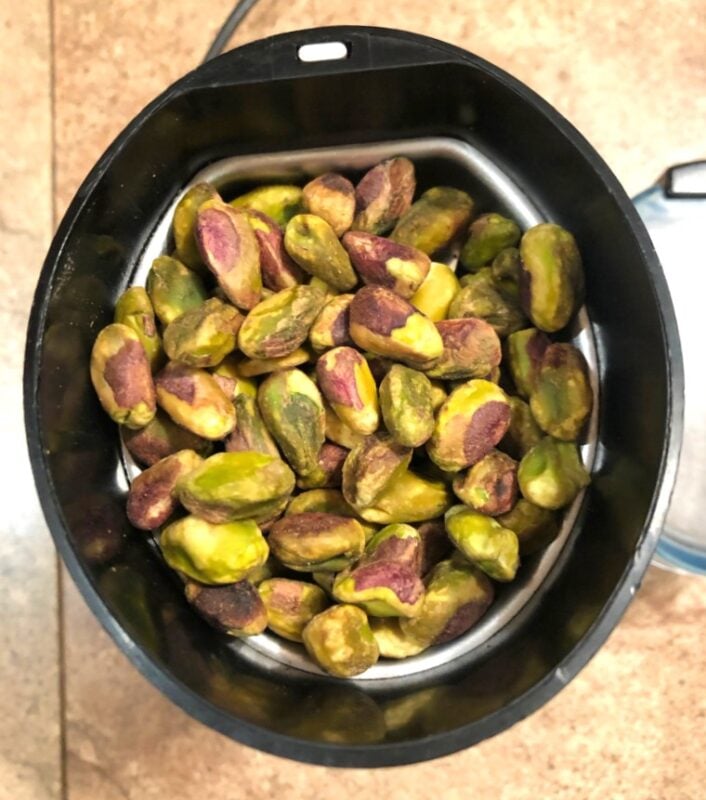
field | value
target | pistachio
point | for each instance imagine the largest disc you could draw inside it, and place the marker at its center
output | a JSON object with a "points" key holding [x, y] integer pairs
{"points": [[340, 641], [407, 407], [471, 349], [152, 497], [317, 542], [380, 262], [292, 409], [203, 336], [213, 553], [278, 270], [279, 202], [277, 326], [481, 297], [457, 596], [370, 467], [433, 298], [552, 276], [330, 328], [233, 486], [408, 498], [346, 382], [235, 609], [383, 195], [484, 541], [173, 289], [523, 432], [387, 325], [490, 485], [121, 376], [184, 223], [313, 244], [434, 220], [562, 398], [331, 197], [291, 605], [551, 474], [161, 438], [250, 433], [194, 400], [523, 352], [134, 309], [468, 425], [252, 367], [489, 234], [230, 250], [535, 527]]}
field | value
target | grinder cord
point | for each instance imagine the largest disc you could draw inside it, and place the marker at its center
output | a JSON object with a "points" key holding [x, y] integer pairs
{"points": [[236, 16]]}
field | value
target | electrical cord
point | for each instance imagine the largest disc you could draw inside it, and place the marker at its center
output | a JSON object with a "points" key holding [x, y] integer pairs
{"points": [[233, 20]]}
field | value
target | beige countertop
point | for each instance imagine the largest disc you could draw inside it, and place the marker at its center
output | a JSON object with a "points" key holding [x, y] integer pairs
{"points": [[78, 721]]}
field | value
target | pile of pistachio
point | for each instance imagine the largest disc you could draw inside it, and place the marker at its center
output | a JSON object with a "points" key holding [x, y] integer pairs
{"points": [[390, 439]]}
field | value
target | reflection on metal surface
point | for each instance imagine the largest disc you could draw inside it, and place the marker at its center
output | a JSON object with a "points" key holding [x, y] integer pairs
{"points": [[676, 225], [473, 169]]}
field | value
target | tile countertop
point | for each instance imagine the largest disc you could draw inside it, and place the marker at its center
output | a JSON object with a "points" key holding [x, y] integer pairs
{"points": [[78, 721]]}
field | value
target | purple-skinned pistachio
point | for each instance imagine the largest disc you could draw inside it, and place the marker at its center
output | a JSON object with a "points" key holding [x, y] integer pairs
{"points": [[381, 262], [331, 197], [121, 376]]}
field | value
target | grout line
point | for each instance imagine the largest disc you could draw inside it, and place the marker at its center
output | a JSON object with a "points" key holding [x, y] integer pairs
{"points": [[61, 634]]}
